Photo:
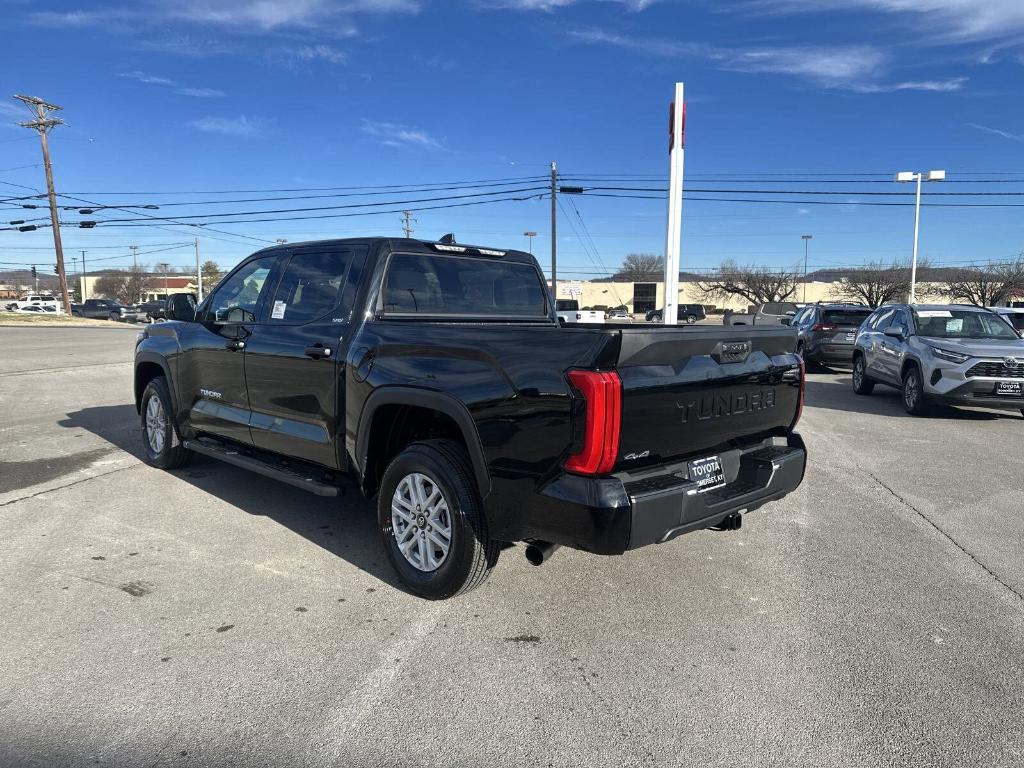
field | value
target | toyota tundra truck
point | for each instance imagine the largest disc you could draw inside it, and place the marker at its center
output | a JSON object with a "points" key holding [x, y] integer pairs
{"points": [[437, 377]]}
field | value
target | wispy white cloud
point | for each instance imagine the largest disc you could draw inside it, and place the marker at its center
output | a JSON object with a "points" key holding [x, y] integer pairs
{"points": [[395, 135], [232, 126], [200, 93], [998, 132], [142, 77], [326, 53], [858, 68], [166, 82], [553, 5], [952, 20]]}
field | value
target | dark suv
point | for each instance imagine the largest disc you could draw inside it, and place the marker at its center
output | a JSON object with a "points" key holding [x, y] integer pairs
{"points": [[689, 313], [827, 331]]}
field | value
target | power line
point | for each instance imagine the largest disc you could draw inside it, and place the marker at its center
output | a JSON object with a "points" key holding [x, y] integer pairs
{"points": [[357, 213], [335, 207], [399, 187]]}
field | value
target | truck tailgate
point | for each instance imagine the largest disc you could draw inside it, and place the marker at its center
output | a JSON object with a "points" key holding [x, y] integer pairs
{"points": [[688, 391]]}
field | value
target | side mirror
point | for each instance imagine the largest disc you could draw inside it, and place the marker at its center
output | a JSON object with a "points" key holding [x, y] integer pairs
{"points": [[896, 331], [180, 306]]}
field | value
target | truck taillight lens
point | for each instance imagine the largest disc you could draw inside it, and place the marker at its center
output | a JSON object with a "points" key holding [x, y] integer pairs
{"points": [[602, 392], [822, 327], [800, 402]]}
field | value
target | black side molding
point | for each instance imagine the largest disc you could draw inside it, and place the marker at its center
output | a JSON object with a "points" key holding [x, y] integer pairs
{"points": [[284, 474]]}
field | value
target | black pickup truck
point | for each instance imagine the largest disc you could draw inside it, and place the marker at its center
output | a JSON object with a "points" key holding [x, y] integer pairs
{"points": [[438, 377]]}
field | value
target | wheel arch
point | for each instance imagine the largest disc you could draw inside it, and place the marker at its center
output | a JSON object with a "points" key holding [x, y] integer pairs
{"points": [[912, 362], [392, 417], [147, 367]]}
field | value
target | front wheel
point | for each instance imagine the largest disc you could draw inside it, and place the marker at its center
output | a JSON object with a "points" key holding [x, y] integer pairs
{"points": [[431, 521], [160, 441], [862, 385], [914, 401], [114, 316], [691, 319]]}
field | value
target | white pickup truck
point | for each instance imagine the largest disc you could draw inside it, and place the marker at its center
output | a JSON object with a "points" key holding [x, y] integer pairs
{"points": [[568, 311]]}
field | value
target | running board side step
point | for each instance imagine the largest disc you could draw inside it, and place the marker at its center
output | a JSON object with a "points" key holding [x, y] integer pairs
{"points": [[285, 474]]}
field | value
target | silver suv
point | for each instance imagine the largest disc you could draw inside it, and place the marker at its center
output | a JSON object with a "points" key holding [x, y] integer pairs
{"points": [[940, 353]]}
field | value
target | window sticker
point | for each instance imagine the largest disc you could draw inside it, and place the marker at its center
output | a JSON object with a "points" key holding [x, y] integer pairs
{"points": [[934, 313], [278, 312], [955, 326]]}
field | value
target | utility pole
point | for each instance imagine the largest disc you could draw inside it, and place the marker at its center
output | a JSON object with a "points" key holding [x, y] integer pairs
{"points": [[806, 239], [407, 221], [134, 250], [199, 271], [554, 226], [85, 278], [43, 123], [673, 229]]}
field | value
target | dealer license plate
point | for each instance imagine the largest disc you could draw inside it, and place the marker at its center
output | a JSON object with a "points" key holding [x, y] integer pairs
{"points": [[851, 337], [707, 473], [1008, 388]]}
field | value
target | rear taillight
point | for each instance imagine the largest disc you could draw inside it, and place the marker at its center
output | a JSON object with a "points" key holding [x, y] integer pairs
{"points": [[822, 327], [602, 393], [800, 401]]}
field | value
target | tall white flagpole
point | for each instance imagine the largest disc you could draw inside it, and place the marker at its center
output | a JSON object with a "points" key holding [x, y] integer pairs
{"points": [[673, 229]]}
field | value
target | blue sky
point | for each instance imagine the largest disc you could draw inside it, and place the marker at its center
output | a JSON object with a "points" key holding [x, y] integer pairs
{"points": [[201, 96]]}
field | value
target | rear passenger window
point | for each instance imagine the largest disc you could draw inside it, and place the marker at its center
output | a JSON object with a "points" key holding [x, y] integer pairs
{"points": [[310, 287], [462, 285]]}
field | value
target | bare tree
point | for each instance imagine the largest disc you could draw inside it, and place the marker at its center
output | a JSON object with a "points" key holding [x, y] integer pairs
{"points": [[755, 284], [211, 274], [876, 284], [126, 285], [638, 267], [985, 286]]}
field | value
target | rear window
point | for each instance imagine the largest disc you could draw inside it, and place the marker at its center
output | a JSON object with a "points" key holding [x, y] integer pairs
{"points": [[461, 285], [845, 316], [567, 305], [778, 308]]}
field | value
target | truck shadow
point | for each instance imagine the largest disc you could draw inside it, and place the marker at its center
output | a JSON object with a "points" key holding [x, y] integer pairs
{"points": [[344, 526], [838, 395]]}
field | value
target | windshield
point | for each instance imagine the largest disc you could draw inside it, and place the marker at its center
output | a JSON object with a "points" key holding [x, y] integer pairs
{"points": [[961, 324]]}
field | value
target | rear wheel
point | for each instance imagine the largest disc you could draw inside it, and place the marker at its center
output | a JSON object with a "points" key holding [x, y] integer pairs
{"points": [[432, 523], [862, 385], [691, 319], [914, 401], [161, 445]]}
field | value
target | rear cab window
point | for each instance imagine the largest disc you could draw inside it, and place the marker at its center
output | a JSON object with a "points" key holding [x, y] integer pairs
{"points": [[311, 285], [462, 286]]}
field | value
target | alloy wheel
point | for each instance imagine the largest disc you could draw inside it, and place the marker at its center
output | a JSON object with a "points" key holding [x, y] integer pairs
{"points": [[156, 424], [421, 522]]}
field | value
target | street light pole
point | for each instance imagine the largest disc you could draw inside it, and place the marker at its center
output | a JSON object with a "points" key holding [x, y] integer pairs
{"points": [[918, 177], [529, 237], [806, 239]]}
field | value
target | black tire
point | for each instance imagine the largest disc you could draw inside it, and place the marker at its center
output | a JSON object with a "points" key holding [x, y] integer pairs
{"points": [[167, 452], [691, 319], [114, 316], [914, 400], [862, 385], [472, 553]]}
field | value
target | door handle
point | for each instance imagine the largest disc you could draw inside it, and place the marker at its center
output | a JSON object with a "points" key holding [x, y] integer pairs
{"points": [[235, 344], [317, 351]]}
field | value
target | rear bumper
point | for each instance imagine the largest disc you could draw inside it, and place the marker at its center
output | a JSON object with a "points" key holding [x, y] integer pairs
{"points": [[831, 353], [632, 510]]}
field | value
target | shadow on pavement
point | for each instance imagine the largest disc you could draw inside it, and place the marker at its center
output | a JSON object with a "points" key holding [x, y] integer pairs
{"points": [[344, 526], [838, 395]]}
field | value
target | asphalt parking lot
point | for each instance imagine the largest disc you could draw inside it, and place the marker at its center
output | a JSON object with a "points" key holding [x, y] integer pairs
{"points": [[213, 617]]}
